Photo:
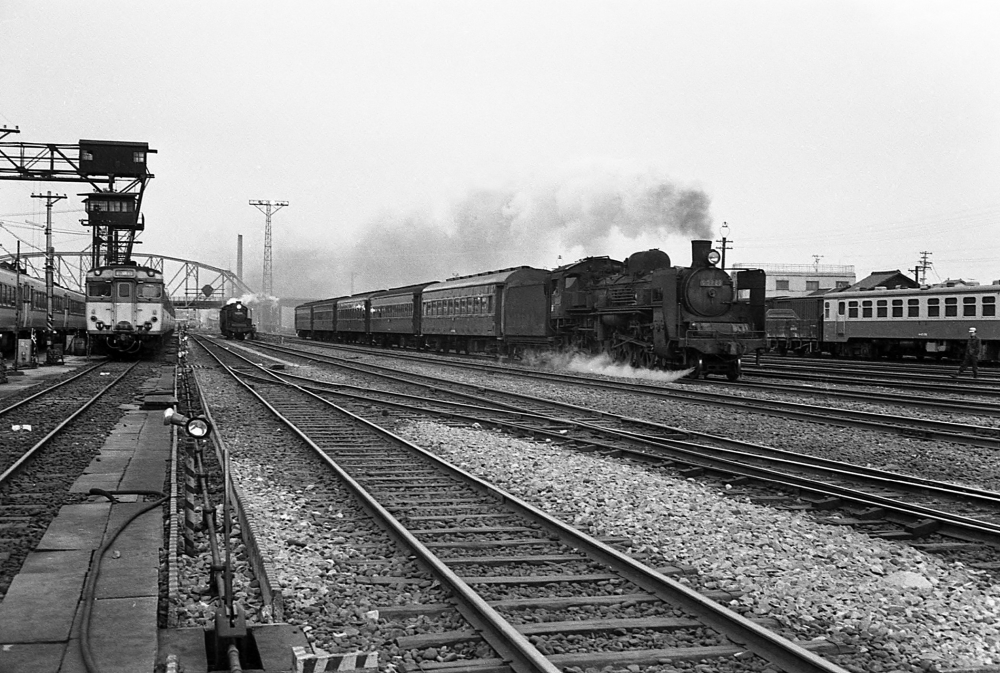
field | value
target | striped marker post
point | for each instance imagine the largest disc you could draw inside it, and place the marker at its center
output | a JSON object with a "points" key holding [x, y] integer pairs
{"points": [[190, 493]]}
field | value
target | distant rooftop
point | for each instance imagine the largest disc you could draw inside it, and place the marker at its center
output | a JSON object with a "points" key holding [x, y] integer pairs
{"points": [[837, 269]]}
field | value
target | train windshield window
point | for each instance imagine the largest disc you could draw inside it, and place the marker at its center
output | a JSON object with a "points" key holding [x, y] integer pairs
{"points": [[150, 290], [124, 290], [989, 307], [99, 288]]}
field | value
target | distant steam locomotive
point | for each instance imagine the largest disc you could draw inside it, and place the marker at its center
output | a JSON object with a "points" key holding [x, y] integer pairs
{"points": [[642, 311], [236, 321]]}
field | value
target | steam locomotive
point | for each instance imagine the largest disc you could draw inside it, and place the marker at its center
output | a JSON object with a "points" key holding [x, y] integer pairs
{"points": [[643, 311], [236, 321]]}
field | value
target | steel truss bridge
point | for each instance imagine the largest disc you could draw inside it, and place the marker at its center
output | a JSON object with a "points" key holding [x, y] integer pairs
{"points": [[190, 284]]}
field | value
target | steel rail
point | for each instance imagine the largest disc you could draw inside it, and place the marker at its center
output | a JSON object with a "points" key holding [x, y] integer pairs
{"points": [[502, 636], [903, 425], [13, 469], [727, 445], [736, 463], [59, 384]]}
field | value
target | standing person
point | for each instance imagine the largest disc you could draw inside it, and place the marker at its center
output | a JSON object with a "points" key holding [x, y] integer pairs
{"points": [[972, 350]]}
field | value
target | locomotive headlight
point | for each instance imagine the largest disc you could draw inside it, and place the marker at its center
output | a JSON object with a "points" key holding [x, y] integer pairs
{"points": [[713, 256], [147, 325], [100, 325]]}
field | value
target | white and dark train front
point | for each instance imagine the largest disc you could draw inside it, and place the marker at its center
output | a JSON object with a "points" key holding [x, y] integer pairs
{"points": [[127, 308]]}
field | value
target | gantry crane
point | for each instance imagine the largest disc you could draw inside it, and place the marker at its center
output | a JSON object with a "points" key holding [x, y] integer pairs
{"points": [[116, 170]]}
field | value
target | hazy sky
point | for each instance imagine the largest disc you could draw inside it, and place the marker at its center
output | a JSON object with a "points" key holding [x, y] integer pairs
{"points": [[416, 140]]}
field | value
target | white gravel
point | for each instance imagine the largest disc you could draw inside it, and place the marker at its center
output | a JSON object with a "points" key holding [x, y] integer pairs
{"points": [[895, 604]]}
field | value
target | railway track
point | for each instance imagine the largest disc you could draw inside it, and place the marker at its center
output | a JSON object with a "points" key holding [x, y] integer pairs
{"points": [[705, 390], [918, 378], [506, 562], [44, 453], [884, 503]]}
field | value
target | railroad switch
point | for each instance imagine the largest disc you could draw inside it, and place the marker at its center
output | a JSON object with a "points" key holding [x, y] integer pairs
{"points": [[230, 646]]}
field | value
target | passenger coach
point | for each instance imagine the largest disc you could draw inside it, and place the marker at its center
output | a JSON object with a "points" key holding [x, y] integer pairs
{"points": [[925, 322]]}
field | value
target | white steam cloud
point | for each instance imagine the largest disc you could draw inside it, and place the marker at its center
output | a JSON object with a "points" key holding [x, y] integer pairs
{"points": [[601, 365]]}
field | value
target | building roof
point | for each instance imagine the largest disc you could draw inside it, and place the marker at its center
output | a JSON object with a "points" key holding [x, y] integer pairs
{"points": [[887, 279]]}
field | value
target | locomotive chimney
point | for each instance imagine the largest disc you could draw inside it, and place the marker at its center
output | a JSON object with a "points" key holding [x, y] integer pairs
{"points": [[699, 253]]}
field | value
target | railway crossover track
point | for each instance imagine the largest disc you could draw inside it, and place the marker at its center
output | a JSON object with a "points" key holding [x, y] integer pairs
{"points": [[500, 557], [906, 507]]}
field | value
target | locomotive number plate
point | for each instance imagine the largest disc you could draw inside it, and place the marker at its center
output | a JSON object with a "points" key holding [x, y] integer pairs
{"points": [[713, 282]]}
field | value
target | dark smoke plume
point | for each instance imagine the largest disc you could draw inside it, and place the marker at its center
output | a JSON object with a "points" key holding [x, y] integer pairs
{"points": [[491, 229]]}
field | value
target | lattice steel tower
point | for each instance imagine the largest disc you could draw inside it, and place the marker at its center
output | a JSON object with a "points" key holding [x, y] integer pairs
{"points": [[268, 208]]}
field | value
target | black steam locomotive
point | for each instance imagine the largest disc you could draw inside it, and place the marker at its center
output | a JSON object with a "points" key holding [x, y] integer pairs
{"points": [[642, 311], [236, 321]]}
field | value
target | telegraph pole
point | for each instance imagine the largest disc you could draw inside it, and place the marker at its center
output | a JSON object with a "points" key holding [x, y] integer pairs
{"points": [[725, 233], [922, 267], [50, 198], [268, 208]]}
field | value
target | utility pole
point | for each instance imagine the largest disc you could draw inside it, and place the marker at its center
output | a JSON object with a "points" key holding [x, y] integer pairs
{"points": [[268, 208], [922, 266], [725, 234], [816, 259], [50, 352]]}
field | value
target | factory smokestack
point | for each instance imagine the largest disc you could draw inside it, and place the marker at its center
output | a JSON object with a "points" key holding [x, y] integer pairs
{"points": [[239, 256]]}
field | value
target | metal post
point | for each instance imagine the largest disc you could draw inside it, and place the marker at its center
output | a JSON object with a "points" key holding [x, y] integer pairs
{"points": [[50, 199], [190, 494], [725, 234], [17, 304]]}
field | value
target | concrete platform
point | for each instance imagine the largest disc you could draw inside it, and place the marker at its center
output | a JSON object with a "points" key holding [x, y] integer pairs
{"points": [[40, 615]]}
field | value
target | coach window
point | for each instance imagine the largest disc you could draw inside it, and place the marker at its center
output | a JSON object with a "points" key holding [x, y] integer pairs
{"points": [[934, 308], [882, 308], [951, 307], [897, 308], [968, 307], [852, 309], [912, 308], [989, 307], [866, 308], [781, 285]]}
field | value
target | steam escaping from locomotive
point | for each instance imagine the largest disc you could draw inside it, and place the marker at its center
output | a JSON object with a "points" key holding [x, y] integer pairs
{"points": [[601, 365]]}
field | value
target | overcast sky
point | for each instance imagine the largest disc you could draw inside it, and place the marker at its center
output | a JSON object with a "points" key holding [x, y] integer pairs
{"points": [[417, 140]]}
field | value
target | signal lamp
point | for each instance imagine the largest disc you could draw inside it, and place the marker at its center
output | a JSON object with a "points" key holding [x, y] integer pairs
{"points": [[197, 427]]}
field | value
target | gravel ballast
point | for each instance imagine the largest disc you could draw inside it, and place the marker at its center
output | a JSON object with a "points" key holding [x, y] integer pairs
{"points": [[902, 609]]}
